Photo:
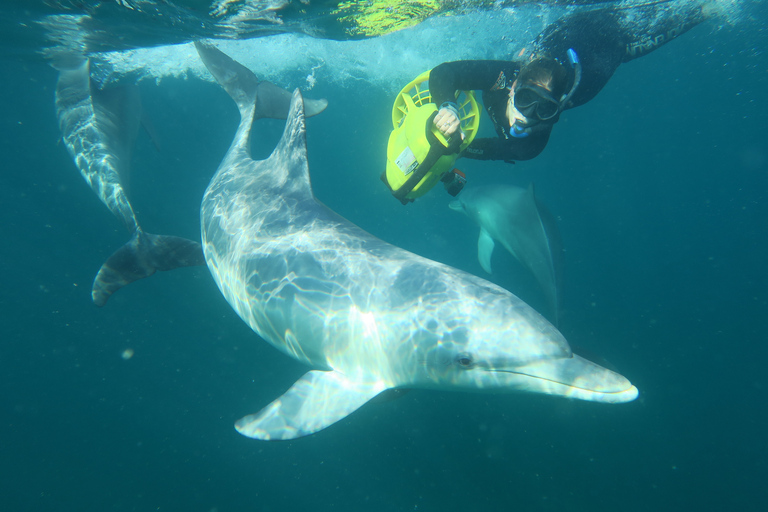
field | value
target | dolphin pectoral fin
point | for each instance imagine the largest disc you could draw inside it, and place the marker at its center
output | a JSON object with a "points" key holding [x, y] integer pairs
{"points": [[140, 257], [315, 401], [485, 245]]}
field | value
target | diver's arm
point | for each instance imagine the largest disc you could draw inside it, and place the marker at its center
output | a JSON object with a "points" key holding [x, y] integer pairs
{"points": [[469, 75], [464, 75], [508, 150]]}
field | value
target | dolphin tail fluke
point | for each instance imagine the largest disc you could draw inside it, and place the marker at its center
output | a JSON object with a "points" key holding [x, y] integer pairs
{"points": [[275, 103], [141, 257], [243, 86], [314, 402], [239, 82]]}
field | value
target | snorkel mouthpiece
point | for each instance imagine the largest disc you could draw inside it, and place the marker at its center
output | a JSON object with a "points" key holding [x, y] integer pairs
{"points": [[519, 132]]}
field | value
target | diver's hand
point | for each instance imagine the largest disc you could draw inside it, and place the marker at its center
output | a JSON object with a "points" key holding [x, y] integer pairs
{"points": [[446, 121]]}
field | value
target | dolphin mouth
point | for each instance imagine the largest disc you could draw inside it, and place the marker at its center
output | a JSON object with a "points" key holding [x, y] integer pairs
{"points": [[574, 377]]}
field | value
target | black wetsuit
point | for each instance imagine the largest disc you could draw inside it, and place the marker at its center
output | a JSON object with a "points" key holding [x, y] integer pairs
{"points": [[602, 40]]}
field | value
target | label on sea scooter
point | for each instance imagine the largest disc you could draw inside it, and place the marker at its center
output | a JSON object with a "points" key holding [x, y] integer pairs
{"points": [[406, 162]]}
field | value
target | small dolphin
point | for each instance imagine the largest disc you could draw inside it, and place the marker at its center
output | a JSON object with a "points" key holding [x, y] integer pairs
{"points": [[365, 315], [513, 217], [98, 129]]}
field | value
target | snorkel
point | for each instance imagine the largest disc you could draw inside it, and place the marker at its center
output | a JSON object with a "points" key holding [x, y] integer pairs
{"points": [[573, 59]]}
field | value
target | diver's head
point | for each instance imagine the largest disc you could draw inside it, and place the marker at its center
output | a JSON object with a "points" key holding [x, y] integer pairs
{"points": [[538, 95]]}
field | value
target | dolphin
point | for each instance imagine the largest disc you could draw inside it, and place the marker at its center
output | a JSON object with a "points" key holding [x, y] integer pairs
{"points": [[364, 315], [98, 129], [514, 217]]}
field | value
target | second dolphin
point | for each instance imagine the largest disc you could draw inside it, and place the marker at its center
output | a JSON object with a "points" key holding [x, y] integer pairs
{"points": [[98, 128]]}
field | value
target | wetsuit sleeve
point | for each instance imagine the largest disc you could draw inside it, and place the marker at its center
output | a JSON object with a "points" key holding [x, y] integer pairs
{"points": [[508, 150], [469, 75]]}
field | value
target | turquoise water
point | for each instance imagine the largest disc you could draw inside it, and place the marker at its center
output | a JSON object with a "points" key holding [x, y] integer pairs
{"points": [[660, 188]]}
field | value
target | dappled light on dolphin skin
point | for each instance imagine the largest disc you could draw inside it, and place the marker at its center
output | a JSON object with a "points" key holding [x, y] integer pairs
{"points": [[365, 315]]}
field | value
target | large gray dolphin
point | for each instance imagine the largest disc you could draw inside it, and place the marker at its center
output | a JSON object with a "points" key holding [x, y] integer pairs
{"points": [[98, 129], [513, 217], [365, 315]]}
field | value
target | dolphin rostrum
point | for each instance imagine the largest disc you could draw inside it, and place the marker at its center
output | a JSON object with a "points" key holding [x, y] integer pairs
{"points": [[365, 315], [98, 128], [513, 217]]}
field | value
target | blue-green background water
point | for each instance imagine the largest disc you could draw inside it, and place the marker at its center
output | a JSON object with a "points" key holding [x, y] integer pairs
{"points": [[660, 186]]}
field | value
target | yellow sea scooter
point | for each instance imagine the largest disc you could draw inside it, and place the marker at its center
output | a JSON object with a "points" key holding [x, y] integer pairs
{"points": [[418, 155]]}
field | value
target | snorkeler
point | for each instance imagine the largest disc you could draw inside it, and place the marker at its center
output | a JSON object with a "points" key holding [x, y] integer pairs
{"points": [[568, 64]]}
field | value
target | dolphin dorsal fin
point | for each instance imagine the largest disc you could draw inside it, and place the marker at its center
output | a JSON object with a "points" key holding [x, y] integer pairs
{"points": [[290, 155]]}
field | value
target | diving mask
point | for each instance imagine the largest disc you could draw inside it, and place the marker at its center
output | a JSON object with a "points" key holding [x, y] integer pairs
{"points": [[536, 102]]}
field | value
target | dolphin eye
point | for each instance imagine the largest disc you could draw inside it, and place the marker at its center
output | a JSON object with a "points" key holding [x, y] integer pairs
{"points": [[464, 360]]}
